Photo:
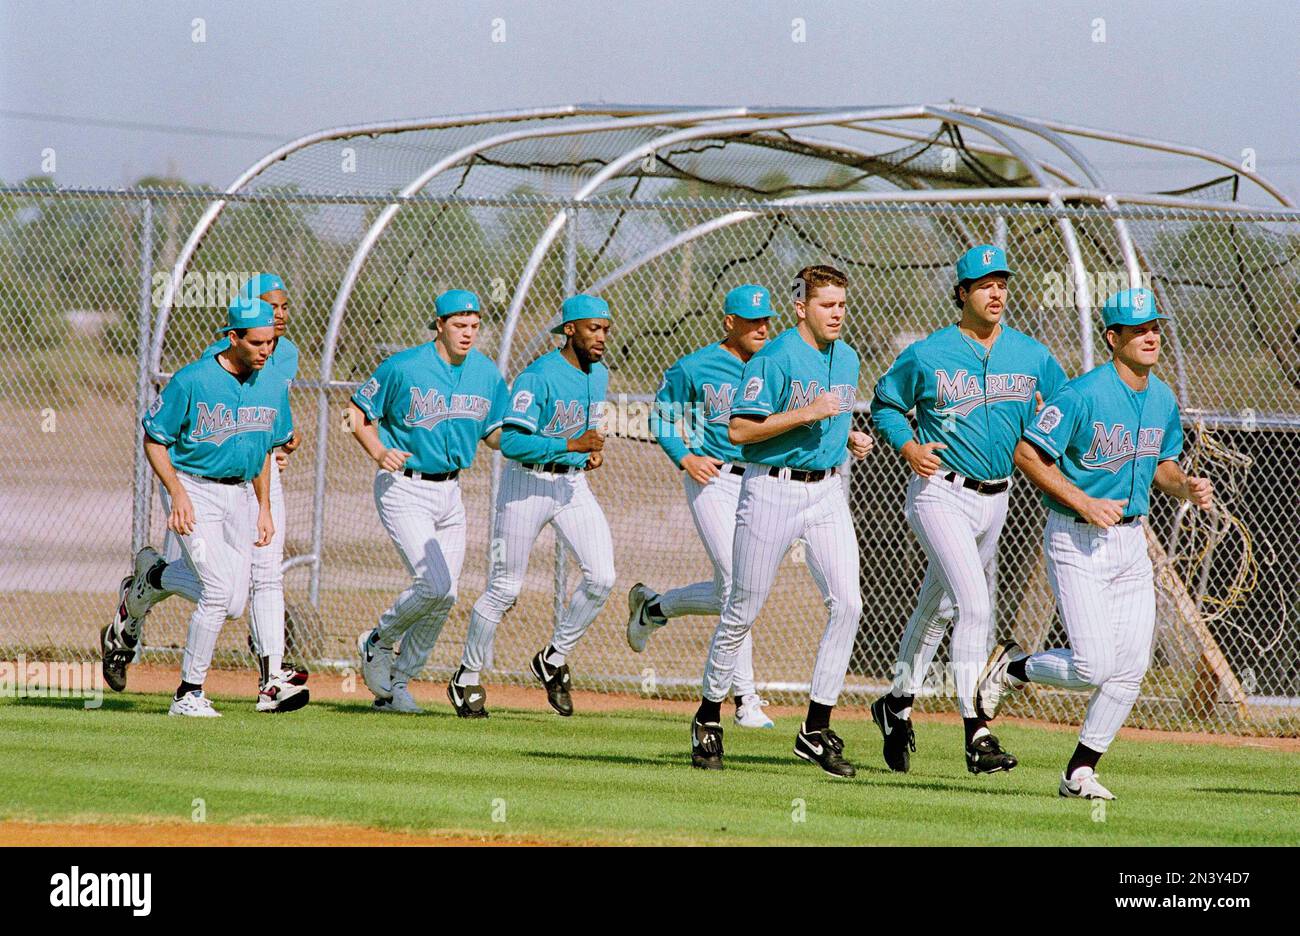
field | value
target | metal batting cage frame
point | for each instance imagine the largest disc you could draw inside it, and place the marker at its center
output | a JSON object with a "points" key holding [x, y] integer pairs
{"points": [[661, 210]]}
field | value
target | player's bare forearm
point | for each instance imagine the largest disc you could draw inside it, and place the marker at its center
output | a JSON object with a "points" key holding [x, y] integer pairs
{"points": [[262, 484], [292, 445], [1171, 479], [1175, 482], [1047, 477], [745, 430], [365, 432], [493, 439], [161, 463]]}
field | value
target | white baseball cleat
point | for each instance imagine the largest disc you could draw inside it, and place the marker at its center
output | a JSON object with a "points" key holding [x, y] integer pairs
{"points": [[402, 702], [376, 665], [641, 625], [194, 704], [994, 683], [1083, 784], [280, 695], [750, 714], [141, 596]]}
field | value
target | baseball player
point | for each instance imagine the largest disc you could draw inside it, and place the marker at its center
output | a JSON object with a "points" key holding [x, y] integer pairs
{"points": [[421, 418], [696, 396], [791, 418], [1094, 451], [209, 437], [975, 386], [266, 608], [549, 436]]}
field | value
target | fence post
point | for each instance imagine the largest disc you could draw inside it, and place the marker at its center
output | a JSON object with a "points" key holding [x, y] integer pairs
{"points": [[570, 287], [143, 502]]}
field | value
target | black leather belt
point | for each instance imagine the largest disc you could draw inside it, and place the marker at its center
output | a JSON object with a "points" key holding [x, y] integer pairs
{"points": [[1122, 522], [726, 469], [979, 487], [798, 474], [222, 480], [552, 468], [441, 476]]}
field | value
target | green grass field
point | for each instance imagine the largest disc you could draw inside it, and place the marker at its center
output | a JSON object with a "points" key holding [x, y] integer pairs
{"points": [[618, 777]]}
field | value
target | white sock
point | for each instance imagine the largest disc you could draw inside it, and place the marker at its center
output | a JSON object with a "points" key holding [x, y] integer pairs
{"points": [[979, 733], [554, 658], [275, 662], [467, 678]]}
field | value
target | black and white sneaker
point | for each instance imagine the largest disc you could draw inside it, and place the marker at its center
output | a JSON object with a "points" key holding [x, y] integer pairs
{"points": [[115, 653], [277, 694], [556, 680], [900, 739], [825, 749], [985, 755], [468, 701], [706, 745]]}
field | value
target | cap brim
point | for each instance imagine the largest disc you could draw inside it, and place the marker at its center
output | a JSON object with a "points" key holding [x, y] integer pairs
{"points": [[559, 329]]}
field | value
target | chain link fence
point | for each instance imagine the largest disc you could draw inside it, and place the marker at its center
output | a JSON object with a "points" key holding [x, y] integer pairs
{"points": [[82, 276]]}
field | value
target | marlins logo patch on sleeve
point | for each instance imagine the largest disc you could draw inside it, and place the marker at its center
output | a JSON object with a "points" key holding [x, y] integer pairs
{"points": [[753, 388], [523, 399], [370, 389], [1049, 419]]}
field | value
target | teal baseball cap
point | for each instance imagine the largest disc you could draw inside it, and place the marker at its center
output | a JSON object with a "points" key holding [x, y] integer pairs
{"points": [[248, 313], [456, 301], [1130, 307], [749, 302], [981, 260], [260, 285], [579, 307]]}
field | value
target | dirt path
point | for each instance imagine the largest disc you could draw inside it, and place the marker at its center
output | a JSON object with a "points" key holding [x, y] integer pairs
{"points": [[148, 833]]}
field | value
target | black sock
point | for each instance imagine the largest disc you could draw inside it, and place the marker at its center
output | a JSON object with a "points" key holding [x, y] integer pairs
{"points": [[1017, 669], [1082, 757], [738, 702], [264, 668], [896, 704], [709, 711], [187, 687], [654, 610], [819, 716], [154, 575], [973, 725]]}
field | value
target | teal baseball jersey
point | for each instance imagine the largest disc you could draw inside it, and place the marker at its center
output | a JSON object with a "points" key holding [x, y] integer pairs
{"points": [[1108, 438], [217, 426], [788, 373], [434, 410], [551, 402], [283, 362], [696, 396], [977, 403]]}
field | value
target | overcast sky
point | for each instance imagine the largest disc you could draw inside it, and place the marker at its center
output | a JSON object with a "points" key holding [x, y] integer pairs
{"points": [[1218, 75]]}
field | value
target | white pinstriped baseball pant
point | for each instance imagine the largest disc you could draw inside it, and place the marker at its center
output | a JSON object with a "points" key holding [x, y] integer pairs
{"points": [[526, 502], [266, 574], [426, 522], [214, 569], [958, 528], [1105, 592], [713, 508], [772, 513]]}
